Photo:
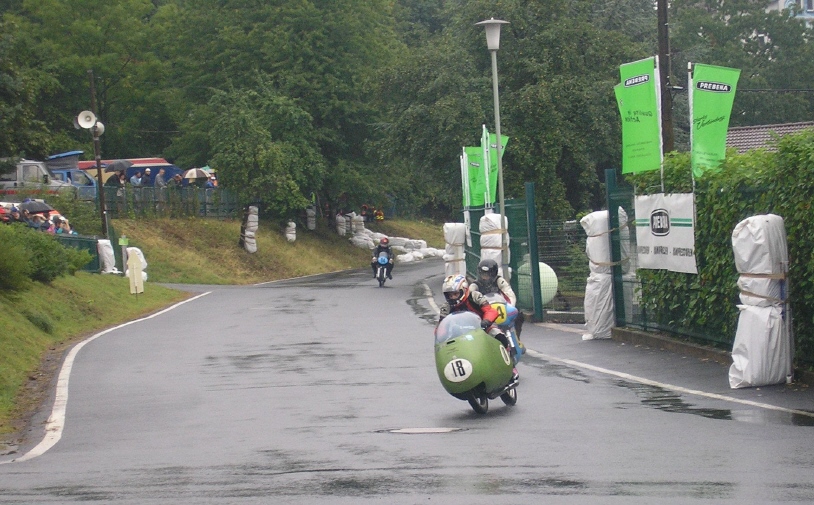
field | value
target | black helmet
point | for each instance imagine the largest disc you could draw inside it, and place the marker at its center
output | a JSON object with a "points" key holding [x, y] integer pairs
{"points": [[487, 273]]}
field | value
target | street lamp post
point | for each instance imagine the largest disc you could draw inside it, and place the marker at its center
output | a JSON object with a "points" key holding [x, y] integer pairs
{"points": [[492, 27]]}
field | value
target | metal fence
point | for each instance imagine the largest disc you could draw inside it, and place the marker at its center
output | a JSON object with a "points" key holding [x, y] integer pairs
{"points": [[171, 202], [85, 243], [632, 296], [562, 248], [522, 248]]}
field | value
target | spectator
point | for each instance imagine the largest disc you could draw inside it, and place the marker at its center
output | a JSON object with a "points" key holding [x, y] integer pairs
{"points": [[36, 221], [63, 227], [137, 182], [145, 181], [161, 190], [15, 216]]}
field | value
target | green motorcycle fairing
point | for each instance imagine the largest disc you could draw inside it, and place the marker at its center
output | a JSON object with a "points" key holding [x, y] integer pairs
{"points": [[468, 359]]}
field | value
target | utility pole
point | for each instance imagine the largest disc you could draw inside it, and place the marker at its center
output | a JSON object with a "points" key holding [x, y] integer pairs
{"points": [[665, 73], [97, 153]]}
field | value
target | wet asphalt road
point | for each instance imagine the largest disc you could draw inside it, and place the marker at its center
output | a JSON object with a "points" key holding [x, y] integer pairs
{"points": [[309, 391]]}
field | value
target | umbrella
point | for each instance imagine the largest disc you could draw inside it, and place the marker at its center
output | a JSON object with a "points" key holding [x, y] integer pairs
{"points": [[195, 173], [35, 207], [115, 166]]}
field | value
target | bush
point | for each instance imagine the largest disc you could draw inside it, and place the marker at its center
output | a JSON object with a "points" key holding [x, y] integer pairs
{"points": [[36, 255], [14, 265]]}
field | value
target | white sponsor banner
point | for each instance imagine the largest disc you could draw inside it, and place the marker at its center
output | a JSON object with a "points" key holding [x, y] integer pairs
{"points": [[665, 232]]}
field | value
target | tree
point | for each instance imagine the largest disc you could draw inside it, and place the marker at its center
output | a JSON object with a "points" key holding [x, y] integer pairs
{"points": [[264, 149], [773, 50], [22, 131]]}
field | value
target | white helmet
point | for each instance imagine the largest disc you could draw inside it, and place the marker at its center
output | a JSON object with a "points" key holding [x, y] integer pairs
{"points": [[456, 290]]}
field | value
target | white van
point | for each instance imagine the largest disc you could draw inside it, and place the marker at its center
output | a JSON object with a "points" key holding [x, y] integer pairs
{"points": [[33, 175]]}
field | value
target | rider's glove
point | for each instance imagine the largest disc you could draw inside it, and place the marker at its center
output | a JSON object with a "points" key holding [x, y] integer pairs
{"points": [[485, 324]]}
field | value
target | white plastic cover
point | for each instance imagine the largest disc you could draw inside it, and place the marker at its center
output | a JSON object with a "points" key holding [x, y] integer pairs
{"points": [[252, 219], [137, 252], [455, 233], [599, 306], [106, 256], [762, 351], [311, 218], [340, 225], [291, 231], [761, 354], [357, 224], [490, 237], [597, 245], [759, 245], [454, 258]]}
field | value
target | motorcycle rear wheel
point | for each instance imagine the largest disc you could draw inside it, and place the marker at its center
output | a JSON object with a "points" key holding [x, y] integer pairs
{"points": [[479, 404], [509, 397]]}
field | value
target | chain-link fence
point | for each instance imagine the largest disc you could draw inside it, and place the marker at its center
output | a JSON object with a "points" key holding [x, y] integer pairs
{"points": [[171, 202], [562, 248]]}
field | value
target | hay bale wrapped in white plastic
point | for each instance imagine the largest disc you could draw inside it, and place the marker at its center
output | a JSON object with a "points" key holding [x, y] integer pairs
{"points": [[454, 259], [106, 256], [406, 258], [341, 228], [761, 257], [291, 231], [357, 224], [363, 241], [429, 252], [414, 245], [762, 351], [249, 242], [455, 233], [136, 251], [491, 233], [252, 219], [397, 241], [597, 245], [599, 306], [311, 218]]}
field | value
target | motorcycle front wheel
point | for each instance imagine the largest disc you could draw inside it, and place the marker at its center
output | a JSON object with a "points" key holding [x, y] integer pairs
{"points": [[509, 397], [479, 404]]}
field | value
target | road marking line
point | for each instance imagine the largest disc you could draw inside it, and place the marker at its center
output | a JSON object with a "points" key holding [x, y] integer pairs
{"points": [[663, 385], [641, 380], [56, 421]]}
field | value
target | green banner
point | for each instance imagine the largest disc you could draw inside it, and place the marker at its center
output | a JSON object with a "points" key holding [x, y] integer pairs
{"points": [[464, 180], [493, 163], [639, 106], [712, 91], [477, 181], [484, 144]]}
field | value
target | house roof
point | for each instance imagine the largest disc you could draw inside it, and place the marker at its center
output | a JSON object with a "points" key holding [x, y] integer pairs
{"points": [[745, 138]]}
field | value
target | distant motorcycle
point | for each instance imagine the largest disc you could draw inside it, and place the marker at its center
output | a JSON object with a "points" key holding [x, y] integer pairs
{"points": [[381, 268], [471, 364]]}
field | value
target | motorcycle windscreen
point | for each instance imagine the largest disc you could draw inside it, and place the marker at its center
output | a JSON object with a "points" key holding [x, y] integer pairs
{"points": [[456, 325]]}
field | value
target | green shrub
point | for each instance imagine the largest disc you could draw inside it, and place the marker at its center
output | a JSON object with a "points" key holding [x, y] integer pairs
{"points": [[14, 265], [38, 255]]}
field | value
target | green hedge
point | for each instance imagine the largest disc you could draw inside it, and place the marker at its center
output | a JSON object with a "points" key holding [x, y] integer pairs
{"points": [[30, 255], [757, 182]]}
